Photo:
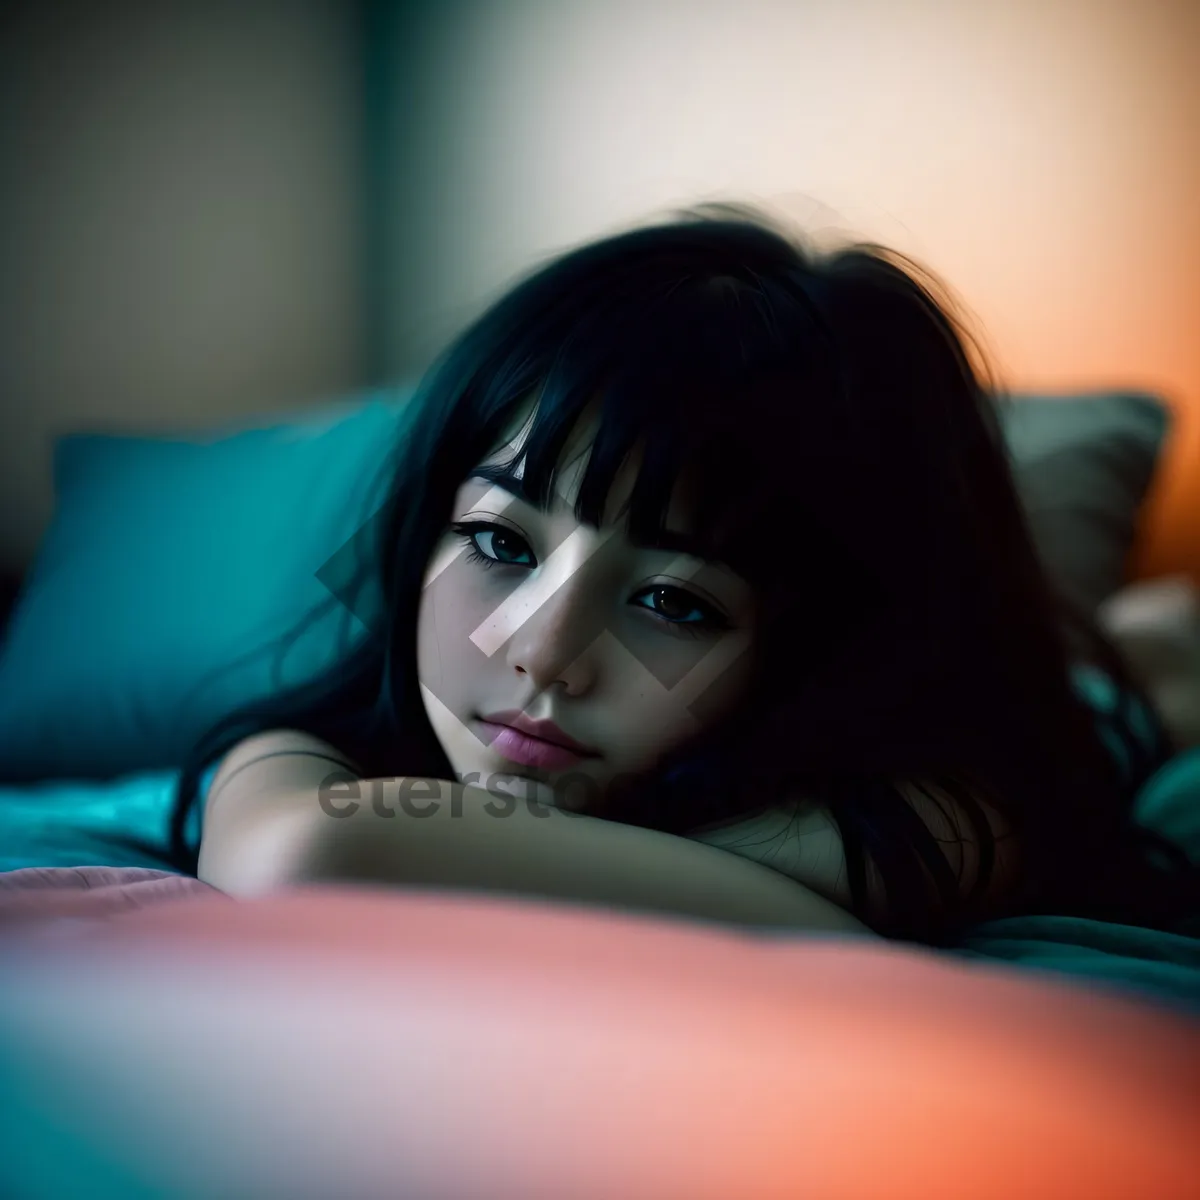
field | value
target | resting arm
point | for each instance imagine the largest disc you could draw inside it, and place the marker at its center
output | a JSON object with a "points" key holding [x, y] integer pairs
{"points": [[263, 835], [801, 840]]}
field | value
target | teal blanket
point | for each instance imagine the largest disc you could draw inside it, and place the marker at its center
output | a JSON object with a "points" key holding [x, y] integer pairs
{"points": [[1145, 961], [63, 824]]}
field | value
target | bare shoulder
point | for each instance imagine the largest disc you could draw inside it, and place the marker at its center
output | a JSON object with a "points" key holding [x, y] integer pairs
{"points": [[274, 758], [801, 839], [259, 803], [957, 832]]}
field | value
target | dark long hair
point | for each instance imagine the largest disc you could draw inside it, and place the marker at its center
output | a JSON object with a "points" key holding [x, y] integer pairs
{"points": [[847, 457]]}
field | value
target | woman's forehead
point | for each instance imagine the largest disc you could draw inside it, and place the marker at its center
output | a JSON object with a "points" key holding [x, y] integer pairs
{"points": [[573, 460], [506, 466], [568, 478], [498, 477]]}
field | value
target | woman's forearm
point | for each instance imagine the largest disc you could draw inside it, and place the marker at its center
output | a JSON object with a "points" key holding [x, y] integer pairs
{"points": [[434, 833]]}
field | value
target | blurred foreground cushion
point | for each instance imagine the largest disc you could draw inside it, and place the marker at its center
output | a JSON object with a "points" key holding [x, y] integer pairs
{"points": [[356, 1043]]}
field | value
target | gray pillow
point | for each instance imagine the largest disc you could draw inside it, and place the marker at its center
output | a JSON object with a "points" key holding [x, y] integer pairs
{"points": [[1083, 464]]}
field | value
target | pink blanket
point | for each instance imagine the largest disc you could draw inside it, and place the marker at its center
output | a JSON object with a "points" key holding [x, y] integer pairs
{"points": [[369, 1031], [87, 893]]}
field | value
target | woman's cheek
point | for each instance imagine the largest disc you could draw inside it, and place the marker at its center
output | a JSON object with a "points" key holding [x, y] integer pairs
{"points": [[653, 720], [680, 685], [657, 656]]}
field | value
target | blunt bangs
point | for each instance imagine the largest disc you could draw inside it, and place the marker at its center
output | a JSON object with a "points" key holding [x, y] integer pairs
{"points": [[702, 373]]}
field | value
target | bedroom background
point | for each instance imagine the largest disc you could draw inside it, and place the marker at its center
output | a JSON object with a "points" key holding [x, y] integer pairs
{"points": [[219, 217], [237, 207], [232, 212]]}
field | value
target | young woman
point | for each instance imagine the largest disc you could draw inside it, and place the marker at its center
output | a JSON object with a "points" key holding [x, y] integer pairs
{"points": [[706, 590]]}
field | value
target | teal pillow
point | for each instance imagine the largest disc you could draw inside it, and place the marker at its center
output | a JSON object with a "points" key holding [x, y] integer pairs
{"points": [[171, 569]]}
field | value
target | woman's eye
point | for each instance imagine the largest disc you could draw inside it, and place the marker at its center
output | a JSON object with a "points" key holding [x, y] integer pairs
{"points": [[495, 545], [679, 607]]}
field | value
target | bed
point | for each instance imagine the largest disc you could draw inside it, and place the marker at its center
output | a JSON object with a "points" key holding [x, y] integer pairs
{"points": [[161, 583]]}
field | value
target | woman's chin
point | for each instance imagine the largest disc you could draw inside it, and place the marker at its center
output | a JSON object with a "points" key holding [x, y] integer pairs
{"points": [[572, 791]]}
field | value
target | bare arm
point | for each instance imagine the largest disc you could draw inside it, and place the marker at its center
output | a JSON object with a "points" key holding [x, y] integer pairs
{"points": [[802, 841], [267, 828]]}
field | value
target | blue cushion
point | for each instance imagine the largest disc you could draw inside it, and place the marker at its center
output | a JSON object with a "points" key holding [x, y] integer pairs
{"points": [[170, 571]]}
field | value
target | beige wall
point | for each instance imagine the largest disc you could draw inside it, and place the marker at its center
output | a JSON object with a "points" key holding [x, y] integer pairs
{"points": [[178, 213], [1042, 155]]}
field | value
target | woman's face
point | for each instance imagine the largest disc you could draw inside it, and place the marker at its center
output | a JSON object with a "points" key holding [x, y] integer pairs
{"points": [[561, 653]]}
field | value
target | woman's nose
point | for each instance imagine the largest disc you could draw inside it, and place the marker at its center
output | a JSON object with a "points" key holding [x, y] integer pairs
{"points": [[557, 642]]}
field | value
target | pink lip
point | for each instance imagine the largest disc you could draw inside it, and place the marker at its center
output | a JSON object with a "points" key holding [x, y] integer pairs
{"points": [[544, 731], [530, 751], [533, 743]]}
